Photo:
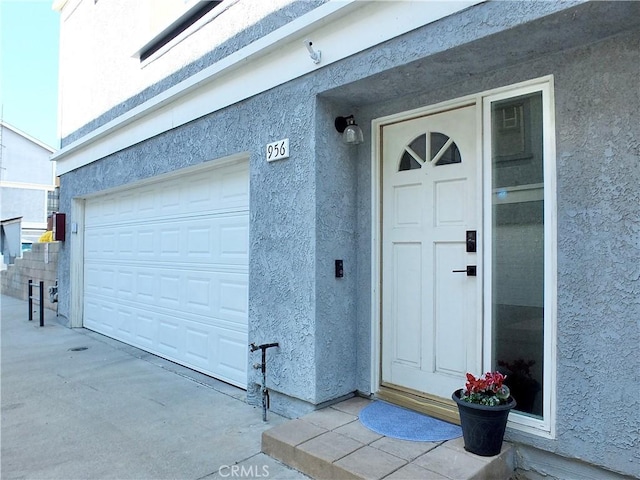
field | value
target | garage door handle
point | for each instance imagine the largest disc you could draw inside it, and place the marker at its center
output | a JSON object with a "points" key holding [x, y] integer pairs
{"points": [[471, 271]]}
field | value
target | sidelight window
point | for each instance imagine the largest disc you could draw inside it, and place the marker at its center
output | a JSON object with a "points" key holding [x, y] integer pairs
{"points": [[520, 249]]}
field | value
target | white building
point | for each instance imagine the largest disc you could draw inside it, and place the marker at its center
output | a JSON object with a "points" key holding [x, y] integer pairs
{"points": [[27, 181]]}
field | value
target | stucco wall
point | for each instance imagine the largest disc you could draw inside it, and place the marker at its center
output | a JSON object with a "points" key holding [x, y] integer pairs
{"points": [[315, 207], [598, 152], [598, 177]]}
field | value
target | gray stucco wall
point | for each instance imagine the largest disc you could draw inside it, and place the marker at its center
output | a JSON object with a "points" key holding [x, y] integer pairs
{"points": [[598, 154], [315, 207], [598, 179]]}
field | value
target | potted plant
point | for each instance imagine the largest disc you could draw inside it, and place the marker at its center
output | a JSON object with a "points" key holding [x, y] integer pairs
{"points": [[484, 404]]}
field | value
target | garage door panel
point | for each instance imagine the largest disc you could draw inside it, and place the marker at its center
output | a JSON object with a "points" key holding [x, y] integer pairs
{"points": [[169, 200], [145, 243], [91, 314], [220, 296], [169, 239], [125, 323], [232, 353], [198, 293], [145, 287], [199, 238], [235, 188], [197, 345], [126, 206], [166, 269], [170, 336], [234, 289], [125, 283], [125, 243], [170, 291], [145, 329], [234, 248], [103, 314]]}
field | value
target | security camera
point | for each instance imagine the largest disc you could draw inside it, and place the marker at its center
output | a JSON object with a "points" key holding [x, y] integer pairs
{"points": [[315, 55]]}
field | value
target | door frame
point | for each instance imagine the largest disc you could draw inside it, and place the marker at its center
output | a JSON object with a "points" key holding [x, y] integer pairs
{"points": [[546, 426]]}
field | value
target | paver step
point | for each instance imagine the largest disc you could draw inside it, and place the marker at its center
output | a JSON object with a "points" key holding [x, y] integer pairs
{"points": [[331, 443]]}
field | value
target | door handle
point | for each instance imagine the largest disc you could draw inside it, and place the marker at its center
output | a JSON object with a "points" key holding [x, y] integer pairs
{"points": [[471, 271]]}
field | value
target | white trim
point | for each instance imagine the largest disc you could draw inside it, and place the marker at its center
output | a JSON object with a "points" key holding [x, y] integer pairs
{"points": [[27, 186], [76, 265], [272, 60], [34, 225], [376, 252], [542, 428]]}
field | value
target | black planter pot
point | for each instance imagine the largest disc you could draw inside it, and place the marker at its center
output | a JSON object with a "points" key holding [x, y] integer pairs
{"points": [[482, 426]]}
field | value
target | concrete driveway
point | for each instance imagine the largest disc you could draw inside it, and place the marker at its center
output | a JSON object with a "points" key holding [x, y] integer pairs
{"points": [[78, 405]]}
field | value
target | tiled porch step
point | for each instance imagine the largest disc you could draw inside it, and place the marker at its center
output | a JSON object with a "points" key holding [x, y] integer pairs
{"points": [[332, 444]]}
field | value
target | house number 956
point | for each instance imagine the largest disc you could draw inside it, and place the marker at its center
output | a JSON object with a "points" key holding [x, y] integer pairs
{"points": [[278, 150]]}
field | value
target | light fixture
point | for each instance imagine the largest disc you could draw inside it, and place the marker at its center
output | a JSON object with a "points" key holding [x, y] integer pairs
{"points": [[351, 132]]}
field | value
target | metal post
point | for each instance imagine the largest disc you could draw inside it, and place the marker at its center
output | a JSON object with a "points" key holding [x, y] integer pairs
{"points": [[42, 304], [30, 300]]}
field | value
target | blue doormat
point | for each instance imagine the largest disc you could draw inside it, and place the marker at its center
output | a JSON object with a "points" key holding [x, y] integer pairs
{"points": [[397, 422]]}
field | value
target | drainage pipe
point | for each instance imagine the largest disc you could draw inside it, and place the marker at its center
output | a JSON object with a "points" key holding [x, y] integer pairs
{"points": [[263, 368]]}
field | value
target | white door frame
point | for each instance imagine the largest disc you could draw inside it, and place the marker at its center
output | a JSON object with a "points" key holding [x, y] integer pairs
{"points": [[545, 427]]}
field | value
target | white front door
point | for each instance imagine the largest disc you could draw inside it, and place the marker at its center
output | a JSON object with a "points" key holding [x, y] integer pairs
{"points": [[431, 304]]}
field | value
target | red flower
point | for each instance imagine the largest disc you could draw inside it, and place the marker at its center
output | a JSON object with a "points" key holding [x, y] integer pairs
{"points": [[489, 383]]}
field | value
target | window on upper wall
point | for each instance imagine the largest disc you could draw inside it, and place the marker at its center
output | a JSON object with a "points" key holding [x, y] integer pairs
{"points": [[195, 10], [521, 249], [53, 201]]}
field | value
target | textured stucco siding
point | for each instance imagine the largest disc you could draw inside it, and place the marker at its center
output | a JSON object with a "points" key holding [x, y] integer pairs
{"points": [[598, 154], [598, 194], [315, 207]]}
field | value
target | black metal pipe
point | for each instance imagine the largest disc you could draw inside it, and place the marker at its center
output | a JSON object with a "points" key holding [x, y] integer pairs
{"points": [[42, 304], [263, 369], [30, 300]]}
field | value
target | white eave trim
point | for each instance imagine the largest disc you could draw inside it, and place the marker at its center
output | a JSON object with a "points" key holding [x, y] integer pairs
{"points": [[339, 28]]}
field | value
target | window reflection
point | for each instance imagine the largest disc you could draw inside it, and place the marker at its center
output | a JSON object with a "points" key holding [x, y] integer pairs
{"points": [[518, 248]]}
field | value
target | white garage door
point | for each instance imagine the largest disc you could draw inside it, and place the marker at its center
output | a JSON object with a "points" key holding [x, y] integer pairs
{"points": [[166, 269]]}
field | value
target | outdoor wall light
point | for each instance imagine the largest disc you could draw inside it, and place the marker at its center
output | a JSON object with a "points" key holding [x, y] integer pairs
{"points": [[351, 132]]}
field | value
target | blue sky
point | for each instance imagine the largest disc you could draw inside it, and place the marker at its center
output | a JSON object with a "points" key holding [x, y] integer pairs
{"points": [[29, 32]]}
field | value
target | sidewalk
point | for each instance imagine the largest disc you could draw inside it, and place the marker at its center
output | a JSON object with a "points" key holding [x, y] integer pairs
{"points": [[78, 405]]}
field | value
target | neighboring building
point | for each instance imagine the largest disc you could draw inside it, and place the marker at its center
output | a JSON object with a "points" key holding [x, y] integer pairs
{"points": [[27, 181], [489, 220]]}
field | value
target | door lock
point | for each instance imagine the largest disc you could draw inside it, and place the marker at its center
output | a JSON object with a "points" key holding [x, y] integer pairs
{"points": [[471, 241], [471, 271]]}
